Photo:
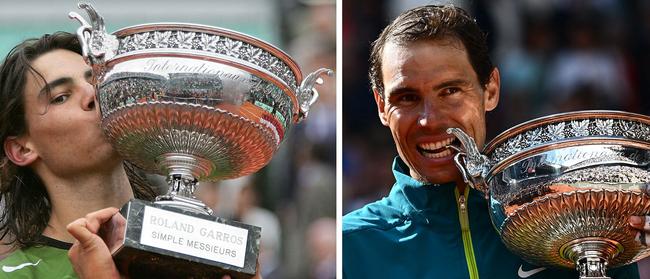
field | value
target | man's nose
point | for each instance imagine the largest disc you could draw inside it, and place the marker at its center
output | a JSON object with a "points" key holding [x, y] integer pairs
{"points": [[89, 97], [429, 113]]}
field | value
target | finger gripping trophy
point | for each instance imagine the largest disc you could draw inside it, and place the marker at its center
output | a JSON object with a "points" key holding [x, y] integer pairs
{"points": [[560, 188], [195, 103]]}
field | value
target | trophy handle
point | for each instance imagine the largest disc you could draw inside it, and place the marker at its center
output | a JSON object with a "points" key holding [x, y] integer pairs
{"points": [[97, 46], [307, 94], [472, 165]]}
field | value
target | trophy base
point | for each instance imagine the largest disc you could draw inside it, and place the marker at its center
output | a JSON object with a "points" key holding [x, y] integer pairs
{"points": [[169, 242]]}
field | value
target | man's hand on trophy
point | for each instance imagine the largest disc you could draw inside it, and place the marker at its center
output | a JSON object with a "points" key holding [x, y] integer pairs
{"points": [[89, 254], [641, 223]]}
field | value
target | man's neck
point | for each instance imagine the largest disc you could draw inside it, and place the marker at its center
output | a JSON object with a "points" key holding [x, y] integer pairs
{"points": [[73, 198], [461, 188], [460, 184]]}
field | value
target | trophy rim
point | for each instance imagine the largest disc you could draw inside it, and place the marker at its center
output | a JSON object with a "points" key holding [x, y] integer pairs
{"points": [[182, 26], [545, 121], [214, 58], [508, 161], [561, 117]]}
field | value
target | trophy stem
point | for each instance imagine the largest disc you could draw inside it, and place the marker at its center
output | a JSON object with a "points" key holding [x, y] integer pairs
{"points": [[592, 267], [182, 171], [181, 185], [591, 255]]}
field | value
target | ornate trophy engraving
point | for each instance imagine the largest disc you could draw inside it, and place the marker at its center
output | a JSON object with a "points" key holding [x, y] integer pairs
{"points": [[192, 102], [561, 188]]}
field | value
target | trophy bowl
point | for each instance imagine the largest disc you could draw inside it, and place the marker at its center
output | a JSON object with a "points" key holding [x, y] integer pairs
{"points": [[194, 103], [561, 188], [222, 97]]}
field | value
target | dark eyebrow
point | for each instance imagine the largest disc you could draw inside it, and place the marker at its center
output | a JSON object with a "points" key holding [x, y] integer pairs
{"points": [[88, 74], [449, 83], [53, 84], [452, 83], [61, 81], [400, 90]]}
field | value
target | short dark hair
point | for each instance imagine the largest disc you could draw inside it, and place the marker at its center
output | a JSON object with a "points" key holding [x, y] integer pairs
{"points": [[26, 207], [433, 23]]}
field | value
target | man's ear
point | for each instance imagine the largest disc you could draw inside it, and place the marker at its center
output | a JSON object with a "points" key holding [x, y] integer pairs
{"points": [[380, 107], [19, 152], [491, 94]]}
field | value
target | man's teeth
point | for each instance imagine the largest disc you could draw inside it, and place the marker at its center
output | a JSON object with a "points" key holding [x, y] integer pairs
{"points": [[444, 153], [435, 145], [433, 149]]}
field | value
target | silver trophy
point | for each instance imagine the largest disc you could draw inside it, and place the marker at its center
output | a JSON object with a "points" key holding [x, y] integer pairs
{"points": [[194, 103], [560, 188]]}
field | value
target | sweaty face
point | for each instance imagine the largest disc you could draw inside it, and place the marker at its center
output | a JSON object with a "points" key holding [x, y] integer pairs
{"points": [[430, 86], [63, 127]]}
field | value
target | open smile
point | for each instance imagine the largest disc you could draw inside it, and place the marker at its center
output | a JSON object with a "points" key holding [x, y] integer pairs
{"points": [[438, 149]]}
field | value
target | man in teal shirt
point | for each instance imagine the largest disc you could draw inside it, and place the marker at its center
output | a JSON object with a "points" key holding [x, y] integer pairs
{"points": [[430, 71]]}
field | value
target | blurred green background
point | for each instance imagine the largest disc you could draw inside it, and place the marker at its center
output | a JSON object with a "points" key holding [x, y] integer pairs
{"points": [[20, 20]]}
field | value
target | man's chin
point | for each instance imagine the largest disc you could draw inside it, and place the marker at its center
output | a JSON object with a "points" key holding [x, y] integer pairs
{"points": [[442, 175], [109, 153]]}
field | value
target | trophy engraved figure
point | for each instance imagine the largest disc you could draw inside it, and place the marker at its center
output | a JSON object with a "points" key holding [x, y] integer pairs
{"points": [[194, 103], [561, 188]]}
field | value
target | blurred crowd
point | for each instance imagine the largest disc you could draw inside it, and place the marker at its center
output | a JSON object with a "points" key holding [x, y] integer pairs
{"points": [[293, 198], [554, 56]]}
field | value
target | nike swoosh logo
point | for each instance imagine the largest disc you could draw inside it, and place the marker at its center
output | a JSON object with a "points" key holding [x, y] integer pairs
{"points": [[20, 266], [528, 273]]}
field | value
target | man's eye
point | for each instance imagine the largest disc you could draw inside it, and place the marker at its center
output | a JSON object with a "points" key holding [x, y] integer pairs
{"points": [[450, 90], [408, 98], [59, 99]]}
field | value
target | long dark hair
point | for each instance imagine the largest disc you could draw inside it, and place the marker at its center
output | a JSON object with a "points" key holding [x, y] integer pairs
{"points": [[26, 208]]}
